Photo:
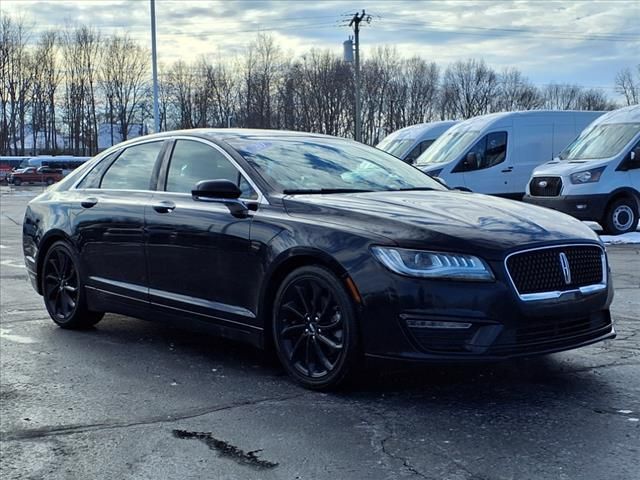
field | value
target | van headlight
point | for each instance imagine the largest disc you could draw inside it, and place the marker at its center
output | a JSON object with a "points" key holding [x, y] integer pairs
{"points": [[425, 264], [587, 176]]}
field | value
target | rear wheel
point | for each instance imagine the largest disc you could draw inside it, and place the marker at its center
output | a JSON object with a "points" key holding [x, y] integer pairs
{"points": [[63, 290], [49, 181], [17, 182], [621, 217], [314, 328]]}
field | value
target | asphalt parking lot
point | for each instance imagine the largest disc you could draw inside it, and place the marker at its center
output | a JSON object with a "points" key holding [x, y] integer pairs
{"points": [[134, 400]]}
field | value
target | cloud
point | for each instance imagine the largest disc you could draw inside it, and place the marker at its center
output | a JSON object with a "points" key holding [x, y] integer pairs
{"points": [[584, 42]]}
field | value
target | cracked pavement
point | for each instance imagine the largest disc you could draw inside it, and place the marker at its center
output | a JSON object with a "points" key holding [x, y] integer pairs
{"points": [[105, 403]]}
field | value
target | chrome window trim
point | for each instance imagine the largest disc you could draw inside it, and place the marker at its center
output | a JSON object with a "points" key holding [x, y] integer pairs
{"points": [[552, 295], [108, 152]]}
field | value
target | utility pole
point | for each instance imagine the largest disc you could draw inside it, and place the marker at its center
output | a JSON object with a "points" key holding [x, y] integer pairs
{"points": [[355, 23], [154, 66]]}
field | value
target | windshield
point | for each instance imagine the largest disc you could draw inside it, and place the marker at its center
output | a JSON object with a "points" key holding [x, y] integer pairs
{"points": [[601, 141], [448, 147], [317, 165], [397, 148]]}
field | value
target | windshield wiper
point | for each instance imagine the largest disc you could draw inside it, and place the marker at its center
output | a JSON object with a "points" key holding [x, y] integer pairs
{"points": [[294, 191]]}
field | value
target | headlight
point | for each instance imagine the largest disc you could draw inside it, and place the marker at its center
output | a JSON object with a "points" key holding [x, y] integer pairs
{"points": [[420, 263], [588, 176]]}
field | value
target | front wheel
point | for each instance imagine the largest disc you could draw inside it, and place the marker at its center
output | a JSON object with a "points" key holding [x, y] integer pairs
{"points": [[621, 217], [63, 290], [49, 181], [314, 328], [17, 182]]}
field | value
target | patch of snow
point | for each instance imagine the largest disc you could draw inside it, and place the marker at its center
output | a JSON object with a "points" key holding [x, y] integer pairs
{"points": [[625, 238]]}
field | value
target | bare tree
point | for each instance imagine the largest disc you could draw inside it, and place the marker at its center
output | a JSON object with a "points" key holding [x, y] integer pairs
{"points": [[468, 89], [515, 92], [562, 96], [46, 80], [81, 50], [16, 85], [628, 85], [124, 81]]}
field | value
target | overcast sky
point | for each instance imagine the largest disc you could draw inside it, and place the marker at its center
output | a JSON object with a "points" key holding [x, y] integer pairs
{"points": [[583, 42]]}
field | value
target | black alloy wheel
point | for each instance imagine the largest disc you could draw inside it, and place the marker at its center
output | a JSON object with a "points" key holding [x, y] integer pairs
{"points": [[314, 328], [62, 289]]}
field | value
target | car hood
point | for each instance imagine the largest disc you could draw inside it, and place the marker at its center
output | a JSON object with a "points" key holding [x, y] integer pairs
{"points": [[565, 167], [453, 220]]}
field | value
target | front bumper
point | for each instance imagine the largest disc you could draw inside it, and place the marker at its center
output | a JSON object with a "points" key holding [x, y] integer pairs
{"points": [[398, 323], [582, 207]]}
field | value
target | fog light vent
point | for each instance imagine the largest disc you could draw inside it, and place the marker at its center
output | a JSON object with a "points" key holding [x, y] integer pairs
{"points": [[438, 325]]}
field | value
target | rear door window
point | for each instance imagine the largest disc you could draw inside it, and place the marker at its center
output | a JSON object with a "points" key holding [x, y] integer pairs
{"points": [[133, 169]]}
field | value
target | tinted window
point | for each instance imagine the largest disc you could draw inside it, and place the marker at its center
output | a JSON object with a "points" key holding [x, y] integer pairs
{"points": [[193, 161], [92, 180], [132, 170], [417, 151], [489, 151]]}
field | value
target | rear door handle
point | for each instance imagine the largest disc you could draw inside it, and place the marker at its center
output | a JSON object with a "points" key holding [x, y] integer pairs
{"points": [[89, 202], [165, 206], [507, 170]]}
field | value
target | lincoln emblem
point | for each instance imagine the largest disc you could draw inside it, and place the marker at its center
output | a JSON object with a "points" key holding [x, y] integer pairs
{"points": [[566, 271]]}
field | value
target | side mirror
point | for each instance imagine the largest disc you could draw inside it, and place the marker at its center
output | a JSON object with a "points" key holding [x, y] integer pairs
{"points": [[222, 191]]}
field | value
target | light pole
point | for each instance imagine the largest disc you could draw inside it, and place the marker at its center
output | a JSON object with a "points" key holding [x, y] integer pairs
{"points": [[154, 66]]}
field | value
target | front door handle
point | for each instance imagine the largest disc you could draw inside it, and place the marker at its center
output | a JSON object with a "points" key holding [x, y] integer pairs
{"points": [[507, 170], [89, 202], [165, 206]]}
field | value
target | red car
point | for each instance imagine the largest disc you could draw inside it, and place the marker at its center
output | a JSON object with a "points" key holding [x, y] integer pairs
{"points": [[45, 175]]}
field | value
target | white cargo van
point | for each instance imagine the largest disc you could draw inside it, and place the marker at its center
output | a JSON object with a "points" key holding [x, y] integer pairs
{"points": [[410, 142], [496, 153], [597, 177]]}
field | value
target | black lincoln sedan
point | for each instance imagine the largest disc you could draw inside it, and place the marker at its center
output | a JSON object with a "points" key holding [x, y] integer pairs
{"points": [[324, 249]]}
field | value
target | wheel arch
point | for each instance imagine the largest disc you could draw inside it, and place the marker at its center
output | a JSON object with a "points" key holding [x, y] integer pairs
{"points": [[287, 263], [49, 239], [624, 192]]}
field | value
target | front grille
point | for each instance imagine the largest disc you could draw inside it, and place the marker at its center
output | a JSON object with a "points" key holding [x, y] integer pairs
{"points": [[542, 334], [541, 270], [545, 186]]}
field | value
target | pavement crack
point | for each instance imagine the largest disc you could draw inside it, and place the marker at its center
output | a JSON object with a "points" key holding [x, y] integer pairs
{"points": [[225, 449], [74, 429]]}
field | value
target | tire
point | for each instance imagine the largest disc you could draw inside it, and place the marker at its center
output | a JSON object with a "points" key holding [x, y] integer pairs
{"points": [[621, 217], [63, 290], [314, 328], [17, 182], [49, 181]]}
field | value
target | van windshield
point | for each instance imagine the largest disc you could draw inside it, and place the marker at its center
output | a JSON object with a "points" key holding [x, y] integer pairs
{"points": [[601, 141], [397, 148], [448, 147]]}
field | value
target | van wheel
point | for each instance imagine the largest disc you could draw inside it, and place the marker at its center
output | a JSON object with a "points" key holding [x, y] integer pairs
{"points": [[621, 217]]}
